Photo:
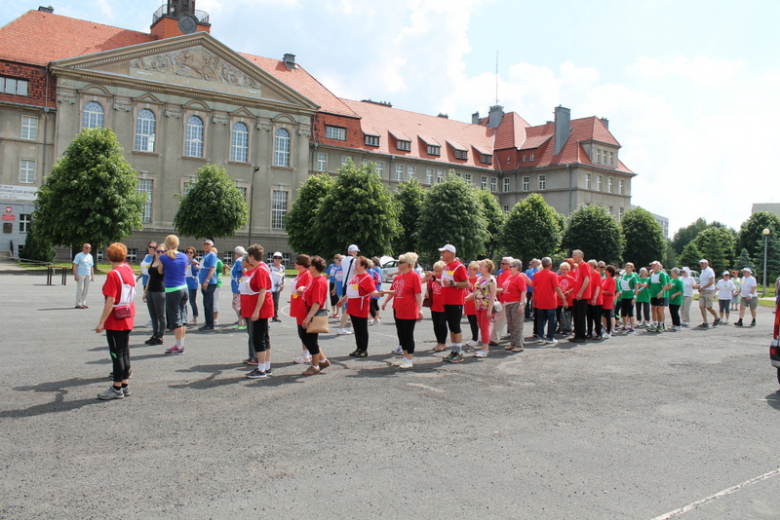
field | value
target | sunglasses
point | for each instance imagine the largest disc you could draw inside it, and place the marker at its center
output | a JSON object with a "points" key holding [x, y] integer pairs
{"points": [[401, 262], [160, 251]]}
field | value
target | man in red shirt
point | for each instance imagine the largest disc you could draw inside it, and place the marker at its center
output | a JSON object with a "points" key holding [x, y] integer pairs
{"points": [[582, 292], [546, 288], [454, 279]]}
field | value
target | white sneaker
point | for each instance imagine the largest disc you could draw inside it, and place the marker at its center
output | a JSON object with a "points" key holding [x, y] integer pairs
{"points": [[406, 363], [605, 336], [552, 342], [216, 322], [341, 332], [397, 350], [472, 343], [481, 354], [303, 360], [370, 322], [398, 362], [148, 323]]}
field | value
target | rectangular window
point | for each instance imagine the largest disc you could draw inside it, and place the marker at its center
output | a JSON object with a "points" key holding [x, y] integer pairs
{"points": [[345, 159], [610, 210], [493, 184], [467, 177], [399, 172], [620, 213], [145, 187], [506, 209], [278, 209], [598, 156], [487, 159], [186, 187], [439, 176], [609, 184], [612, 158], [462, 155], [434, 150], [542, 182], [29, 127], [523, 159], [322, 162], [372, 140], [526, 183], [132, 255], [620, 186], [409, 173], [483, 184], [242, 190], [24, 222], [531, 158], [598, 182], [587, 181], [17, 87], [429, 176], [336, 132], [27, 172], [506, 185], [404, 146], [380, 169]]}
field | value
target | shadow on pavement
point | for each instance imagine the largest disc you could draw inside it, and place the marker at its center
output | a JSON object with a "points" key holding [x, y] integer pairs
{"points": [[773, 400], [59, 404]]}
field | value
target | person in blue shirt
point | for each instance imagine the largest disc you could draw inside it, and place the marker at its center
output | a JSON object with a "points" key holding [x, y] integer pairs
{"points": [[236, 273], [376, 274], [84, 274], [191, 276], [334, 277], [533, 267], [174, 268], [207, 276]]}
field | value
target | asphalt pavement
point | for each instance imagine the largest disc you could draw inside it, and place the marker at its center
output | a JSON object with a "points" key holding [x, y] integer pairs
{"points": [[645, 427]]}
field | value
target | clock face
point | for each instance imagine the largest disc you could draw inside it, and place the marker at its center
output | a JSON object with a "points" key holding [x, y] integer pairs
{"points": [[188, 23]]}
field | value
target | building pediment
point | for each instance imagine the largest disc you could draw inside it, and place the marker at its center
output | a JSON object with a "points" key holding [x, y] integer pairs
{"points": [[191, 62]]}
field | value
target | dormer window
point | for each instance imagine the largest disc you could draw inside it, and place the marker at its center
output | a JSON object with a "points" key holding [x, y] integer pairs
{"points": [[335, 132], [17, 87], [372, 140], [434, 150], [486, 159], [404, 146], [462, 155]]}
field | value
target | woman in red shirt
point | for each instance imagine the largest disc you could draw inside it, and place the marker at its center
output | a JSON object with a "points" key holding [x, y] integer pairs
{"points": [[595, 302], [468, 307], [407, 295], [117, 319], [608, 287], [257, 304], [438, 317], [297, 306], [314, 297], [566, 283], [514, 289], [358, 297]]}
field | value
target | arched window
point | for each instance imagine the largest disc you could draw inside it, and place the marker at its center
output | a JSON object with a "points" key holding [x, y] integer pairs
{"points": [[145, 124], [282, 148], [239, 143], [193, 139], [92, 116]]}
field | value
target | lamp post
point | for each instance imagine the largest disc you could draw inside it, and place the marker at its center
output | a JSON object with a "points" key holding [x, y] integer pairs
{"points": [[766, 237]]}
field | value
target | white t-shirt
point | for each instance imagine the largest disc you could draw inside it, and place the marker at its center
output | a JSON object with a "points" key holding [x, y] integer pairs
{"points": [[748, 284], [726, 289], [707, 276], [688, 282]]}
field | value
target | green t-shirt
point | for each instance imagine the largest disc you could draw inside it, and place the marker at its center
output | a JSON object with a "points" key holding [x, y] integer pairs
{"points": [[644, 295], [626, 285], [218, 272], [657, 286], [677, 287]]}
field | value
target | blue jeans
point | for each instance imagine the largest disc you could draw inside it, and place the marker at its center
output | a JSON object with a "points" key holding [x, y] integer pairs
{"points": [[546, 316], [208, 304]]}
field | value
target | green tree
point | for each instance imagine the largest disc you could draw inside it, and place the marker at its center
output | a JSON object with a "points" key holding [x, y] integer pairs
{"points": [[772, 259], [495, 218], [716, 244], [91, 194], [358, 209], [689, 257], [452, 214], [751, 231], [643, 237], [532, 229], [410, 197], [595, 232], [685, 235], [301, 221], [743, 260], [213, 208], [37, 248], [670, 256]]}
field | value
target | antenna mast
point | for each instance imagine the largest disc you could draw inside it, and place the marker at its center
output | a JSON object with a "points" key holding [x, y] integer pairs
{"points": [[496, 77]]}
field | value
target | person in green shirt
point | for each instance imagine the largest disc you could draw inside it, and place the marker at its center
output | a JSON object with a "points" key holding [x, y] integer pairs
{"points": [[218, 273], [643, 299], [627, 287], [660, 283], [676, 299]]}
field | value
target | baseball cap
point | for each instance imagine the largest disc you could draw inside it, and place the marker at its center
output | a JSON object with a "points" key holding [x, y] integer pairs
{"points": [[448, 247], [747, 270], [703, 261], [239, 250], [687, 270], [353, 247], [208, 241], [726, 273]]}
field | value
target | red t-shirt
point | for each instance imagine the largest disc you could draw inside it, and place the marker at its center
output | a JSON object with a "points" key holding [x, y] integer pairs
{"points": [[514, 289], [583, 271], [437, 300], [468, 305], [500, 281], [545, 282], [457, 272], [407, 286], [297, 306], [359, 304], [608, 286], [258, 278], [123, 274], [595, 282], [566, 283], [316, 292]]}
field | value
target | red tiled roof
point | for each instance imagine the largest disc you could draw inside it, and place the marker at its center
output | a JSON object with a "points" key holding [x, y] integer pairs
{"points": [[429, 129], [38, 38], [511, 132], [303, 82]]}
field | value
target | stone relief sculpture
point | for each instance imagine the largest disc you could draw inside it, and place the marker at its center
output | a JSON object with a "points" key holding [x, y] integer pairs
{"points": [[66, 98], [196, 63]]}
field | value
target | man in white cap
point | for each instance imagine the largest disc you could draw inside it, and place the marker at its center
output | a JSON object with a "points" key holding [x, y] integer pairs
{"points": [[454, 279], [277, 281], [707, 294], [748, 296], [347, 272]]}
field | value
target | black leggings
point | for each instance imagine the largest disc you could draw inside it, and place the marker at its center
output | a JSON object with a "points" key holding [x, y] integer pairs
{"points": [[360, 326], [259, 334], [674, 310], [374, 307], [594, 317], [439, 320], [474, 326], [309, 340], [119, 347], [608, 314], [405, 331], [334, 298]]}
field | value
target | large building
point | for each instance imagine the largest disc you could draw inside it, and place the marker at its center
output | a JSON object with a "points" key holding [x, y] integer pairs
{"points": [[177, 99]]}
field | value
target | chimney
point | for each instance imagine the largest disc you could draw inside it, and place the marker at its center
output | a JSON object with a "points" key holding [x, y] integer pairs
{"points": [[49, 9], [475, 118], [495, 116], [289, 61], [444, 116], [605, 121], [562, 127]]}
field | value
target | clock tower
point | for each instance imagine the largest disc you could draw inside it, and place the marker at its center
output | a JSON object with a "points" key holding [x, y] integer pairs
{"points": [[178, 17]]}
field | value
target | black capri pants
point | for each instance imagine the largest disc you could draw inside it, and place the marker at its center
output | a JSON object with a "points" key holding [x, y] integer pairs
{"points": [[309, 340], [439, 327], [119, 346], [405, 331], [260, 339], [453, 314]]}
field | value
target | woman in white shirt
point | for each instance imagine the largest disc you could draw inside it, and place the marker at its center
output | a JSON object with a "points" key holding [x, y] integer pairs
{"points": [[726, 290], [688, 283]]}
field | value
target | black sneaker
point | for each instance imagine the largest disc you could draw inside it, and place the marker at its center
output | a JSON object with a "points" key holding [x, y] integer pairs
{"points": [[716, 322], [269, 372], [206, 328], [454, 357], [738, 323], [753, 323], [361, 353], [256, 374], [150, 341]]}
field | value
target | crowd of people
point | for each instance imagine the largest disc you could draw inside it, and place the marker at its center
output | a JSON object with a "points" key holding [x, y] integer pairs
{"points": [[577, 300]]}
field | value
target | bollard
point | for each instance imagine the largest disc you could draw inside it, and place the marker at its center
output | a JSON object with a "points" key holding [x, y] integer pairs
{"points": [[49, 274], [64, 276]]}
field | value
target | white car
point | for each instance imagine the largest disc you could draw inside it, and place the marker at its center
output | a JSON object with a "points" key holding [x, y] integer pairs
{"points": [[389, 266]]}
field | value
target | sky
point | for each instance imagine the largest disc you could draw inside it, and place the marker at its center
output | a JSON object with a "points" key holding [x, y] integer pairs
{"points": [[686, 86]]}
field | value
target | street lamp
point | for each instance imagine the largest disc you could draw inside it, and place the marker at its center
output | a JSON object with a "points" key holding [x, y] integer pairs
{"points": [[766, 237]]}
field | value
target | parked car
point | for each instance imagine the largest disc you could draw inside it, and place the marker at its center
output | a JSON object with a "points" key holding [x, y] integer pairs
{"points": [[774, 346], [389, 266]]}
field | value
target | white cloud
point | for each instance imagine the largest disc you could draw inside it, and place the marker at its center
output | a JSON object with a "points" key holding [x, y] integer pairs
{"points": [[702, 70]]}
